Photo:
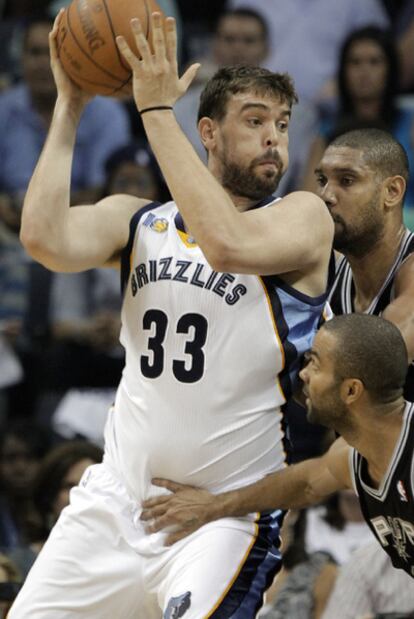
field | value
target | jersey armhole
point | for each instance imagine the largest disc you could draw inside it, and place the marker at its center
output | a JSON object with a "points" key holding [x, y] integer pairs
{"points": [[127, 251]]}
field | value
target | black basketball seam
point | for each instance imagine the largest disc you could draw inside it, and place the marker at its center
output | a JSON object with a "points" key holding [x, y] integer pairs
{"points": [[122, 85], [121, 61], [111, 88], [108, 73]]}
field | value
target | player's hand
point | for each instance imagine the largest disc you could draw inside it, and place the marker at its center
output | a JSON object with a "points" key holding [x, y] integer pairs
{"points": [[66, 88], [155, 75], [187, 509]]}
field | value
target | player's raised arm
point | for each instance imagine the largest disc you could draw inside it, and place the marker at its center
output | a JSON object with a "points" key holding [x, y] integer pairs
{"points": [[63, 238], [296, 486], [295, 234]]}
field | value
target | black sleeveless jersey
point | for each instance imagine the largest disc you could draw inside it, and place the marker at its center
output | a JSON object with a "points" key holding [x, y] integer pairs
{"points": [[389, 510], [341, 297]]}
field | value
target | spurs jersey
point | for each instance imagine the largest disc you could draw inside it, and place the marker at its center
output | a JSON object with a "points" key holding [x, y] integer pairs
{"points": [[341, 297], [389, 510], [210, 359]]}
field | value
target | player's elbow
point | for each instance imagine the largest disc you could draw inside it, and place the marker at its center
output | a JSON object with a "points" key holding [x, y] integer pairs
{"points": [[38, 247]]}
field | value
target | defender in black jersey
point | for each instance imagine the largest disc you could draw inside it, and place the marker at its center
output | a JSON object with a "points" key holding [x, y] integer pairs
{"points": [[362, 178], [353, 383]]}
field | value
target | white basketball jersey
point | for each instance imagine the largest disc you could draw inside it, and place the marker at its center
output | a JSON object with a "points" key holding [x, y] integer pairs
{"points": [[209, 360]]}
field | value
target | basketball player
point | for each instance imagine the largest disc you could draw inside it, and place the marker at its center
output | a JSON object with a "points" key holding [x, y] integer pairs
{"points": [[353, 383], [362, 178], [216, 312]]}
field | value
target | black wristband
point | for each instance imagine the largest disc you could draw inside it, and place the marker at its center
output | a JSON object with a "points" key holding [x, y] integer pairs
{"points": [[156, 107]]}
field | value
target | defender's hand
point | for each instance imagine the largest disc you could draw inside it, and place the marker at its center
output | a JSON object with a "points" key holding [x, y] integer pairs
{"points": [[187, 509], [66, 89], [155, 76]]}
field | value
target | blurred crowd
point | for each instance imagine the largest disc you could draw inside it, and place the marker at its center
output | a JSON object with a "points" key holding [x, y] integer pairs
{"points": [[60, 360]]}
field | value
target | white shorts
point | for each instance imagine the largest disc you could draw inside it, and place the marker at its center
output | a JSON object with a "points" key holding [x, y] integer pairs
{"points": [[99, 563]]}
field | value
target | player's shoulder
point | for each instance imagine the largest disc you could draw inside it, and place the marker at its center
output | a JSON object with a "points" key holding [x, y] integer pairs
{"points": [[310, 208], [338, 461], [404, 277], [123, 206]]}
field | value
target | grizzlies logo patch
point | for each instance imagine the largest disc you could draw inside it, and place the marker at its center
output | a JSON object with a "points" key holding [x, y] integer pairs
{"points": [[178, 606], [159, 225]]}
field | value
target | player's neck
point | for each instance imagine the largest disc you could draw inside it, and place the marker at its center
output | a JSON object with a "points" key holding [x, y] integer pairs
{"points": [[378, 447], [370, 270], [242, 203]]}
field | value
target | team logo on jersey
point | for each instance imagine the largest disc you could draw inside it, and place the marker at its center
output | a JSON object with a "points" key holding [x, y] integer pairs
{"points": [[158, 224], [178, 606], [402, 492]]}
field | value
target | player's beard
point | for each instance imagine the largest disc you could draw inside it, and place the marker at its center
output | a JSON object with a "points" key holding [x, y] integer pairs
{"points": [[244, 181], [358, 239], [328, 410]]}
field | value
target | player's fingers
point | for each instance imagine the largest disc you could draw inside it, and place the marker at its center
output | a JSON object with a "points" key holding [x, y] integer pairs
{"points": [[141, 43], [158, 524], [53, 36], [171, 40], [126, 52], [158, 40], [157, 500], [154, 512], [188, 76]]}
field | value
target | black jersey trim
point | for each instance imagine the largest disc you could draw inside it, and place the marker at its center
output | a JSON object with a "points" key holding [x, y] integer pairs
{"points": [[244, 597], [343, 287], [127, 251], [381, 493], [293, 292]]}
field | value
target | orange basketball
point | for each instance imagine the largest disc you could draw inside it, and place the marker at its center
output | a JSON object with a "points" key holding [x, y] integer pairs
{"points": [[87, 46]]}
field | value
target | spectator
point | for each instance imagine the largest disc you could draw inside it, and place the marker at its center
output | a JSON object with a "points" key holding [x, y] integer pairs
{"points": [[22, 446], [133, 169], [337, 527], [402, 19], [13, 271], [61, 470], [368, 584], [368, 83], [25, 114], [306, 36], [10, 581]]}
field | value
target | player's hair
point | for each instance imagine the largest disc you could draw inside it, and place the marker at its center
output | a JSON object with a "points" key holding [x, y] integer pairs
{"points": [[385, 41], [248, 14], [382, 152], [55, 467], [372, 350], [229, 81]]}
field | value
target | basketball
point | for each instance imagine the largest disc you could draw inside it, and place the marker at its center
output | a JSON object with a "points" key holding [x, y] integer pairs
{"points": [[86, 42]]}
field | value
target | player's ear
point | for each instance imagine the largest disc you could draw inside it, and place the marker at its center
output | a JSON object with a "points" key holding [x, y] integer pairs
{"points": [[206, 128], [351, 390], [394, 189]]}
